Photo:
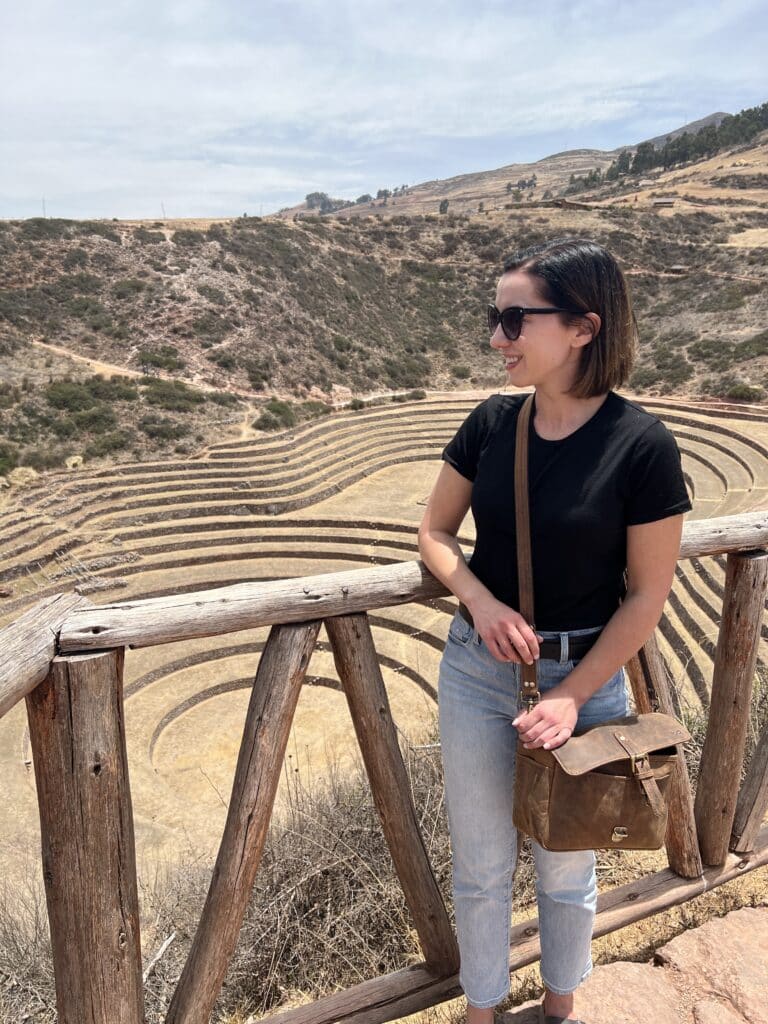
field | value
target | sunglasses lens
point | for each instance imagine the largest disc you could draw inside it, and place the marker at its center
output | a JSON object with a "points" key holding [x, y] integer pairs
{"points": [[511, 321]]}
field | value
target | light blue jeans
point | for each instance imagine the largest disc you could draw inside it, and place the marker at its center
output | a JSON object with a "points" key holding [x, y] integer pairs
{"points": [[478, 700]]}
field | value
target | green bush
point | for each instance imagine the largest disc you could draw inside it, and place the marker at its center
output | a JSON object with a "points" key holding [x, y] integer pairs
{"points": [[744, 393], [416, 395], [186, 239], [9, 457], [162, 428], [223, 358], [214, 295], [275, 415], [223, 398], [732, 296], [108, 443], [112, 389], [716, 354], [38, 229], [172, 395], [461, 372], [128, 288], [146, 237], [97, 420], [211, 326], [95, 227], [752, 348], [259, 371], [70, 395], [164, 357]]}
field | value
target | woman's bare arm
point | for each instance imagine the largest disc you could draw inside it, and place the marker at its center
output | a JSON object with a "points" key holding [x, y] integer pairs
{"points": [[505, 632]]}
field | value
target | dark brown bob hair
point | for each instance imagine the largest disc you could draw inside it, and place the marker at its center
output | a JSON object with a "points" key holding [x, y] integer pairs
{"points": [[576, 273]]}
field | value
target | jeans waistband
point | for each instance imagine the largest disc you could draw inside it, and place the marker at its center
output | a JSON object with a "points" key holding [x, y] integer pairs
{"points": [[562, 648]]}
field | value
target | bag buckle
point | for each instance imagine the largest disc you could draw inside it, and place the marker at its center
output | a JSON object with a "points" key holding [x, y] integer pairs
{"points": [[529, 695]]}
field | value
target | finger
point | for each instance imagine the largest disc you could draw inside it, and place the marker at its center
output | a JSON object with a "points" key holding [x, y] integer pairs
{"points": [[520, 644], [562, 737]]}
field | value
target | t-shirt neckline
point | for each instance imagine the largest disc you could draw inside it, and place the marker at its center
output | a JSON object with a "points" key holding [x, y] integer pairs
{"points": [[561, 440]]}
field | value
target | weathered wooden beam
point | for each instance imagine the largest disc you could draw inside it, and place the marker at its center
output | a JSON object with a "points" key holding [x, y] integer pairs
{"points": [[281, 672], [753, 798], [28, 646], [408, 991], [722, 755], [86, 821], [165, 620], [358, 667], [724, 534], [648, 675]]}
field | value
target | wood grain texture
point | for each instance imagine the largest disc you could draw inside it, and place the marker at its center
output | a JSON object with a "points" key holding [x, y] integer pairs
{"points": [[281, 672], [89, 863], [648, 675], [413, 989], [358, 667], [28, 645], [722, 755], [752, 802], [247, 605]]}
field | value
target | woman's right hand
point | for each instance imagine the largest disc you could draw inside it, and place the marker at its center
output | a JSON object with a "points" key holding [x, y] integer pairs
{"points": [[505, 632]]}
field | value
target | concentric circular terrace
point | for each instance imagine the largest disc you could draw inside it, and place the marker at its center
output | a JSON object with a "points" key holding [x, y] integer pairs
{"points": [[343, 493]]}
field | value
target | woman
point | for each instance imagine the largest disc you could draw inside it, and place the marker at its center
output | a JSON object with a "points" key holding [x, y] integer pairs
{"points": [[607, 498]]}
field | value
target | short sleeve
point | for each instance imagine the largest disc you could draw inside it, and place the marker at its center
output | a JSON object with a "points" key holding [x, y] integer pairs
{"points": [[655, 486], [463, 451]]}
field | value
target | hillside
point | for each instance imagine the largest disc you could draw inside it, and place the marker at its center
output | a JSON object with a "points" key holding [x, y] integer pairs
{"points": [[212, 319]]}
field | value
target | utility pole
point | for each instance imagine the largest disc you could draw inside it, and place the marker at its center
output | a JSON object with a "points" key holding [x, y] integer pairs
{"points": [[43, 207], [162, 207]]}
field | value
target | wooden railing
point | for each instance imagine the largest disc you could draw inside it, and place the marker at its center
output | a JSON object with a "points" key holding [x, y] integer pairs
{"points": [[66, 657]]}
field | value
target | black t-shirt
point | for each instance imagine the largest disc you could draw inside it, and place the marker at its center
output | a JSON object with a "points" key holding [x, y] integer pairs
{"points": [[620, 468]]}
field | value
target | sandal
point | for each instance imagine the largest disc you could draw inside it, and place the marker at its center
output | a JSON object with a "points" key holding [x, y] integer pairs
{"points": [[550, 1019]]}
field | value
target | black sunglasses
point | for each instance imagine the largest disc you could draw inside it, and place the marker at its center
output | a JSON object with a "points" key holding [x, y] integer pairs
{"points": [[511, 318]]}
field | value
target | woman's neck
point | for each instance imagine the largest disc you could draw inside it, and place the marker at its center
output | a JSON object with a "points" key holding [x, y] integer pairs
{"points": [[557, 416]]}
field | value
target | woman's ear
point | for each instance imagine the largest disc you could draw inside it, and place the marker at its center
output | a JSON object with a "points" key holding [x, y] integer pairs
{"points": [[588, 328]]}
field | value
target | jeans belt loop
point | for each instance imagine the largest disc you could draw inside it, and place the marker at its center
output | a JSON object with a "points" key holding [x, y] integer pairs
{"points": [[563, 648]]}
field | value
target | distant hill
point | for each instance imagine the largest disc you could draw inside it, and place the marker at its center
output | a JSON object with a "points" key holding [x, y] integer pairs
{"points": [[692, 128], [541, 180]]}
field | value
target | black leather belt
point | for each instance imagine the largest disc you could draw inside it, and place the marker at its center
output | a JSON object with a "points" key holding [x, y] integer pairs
{"points": [[576, 646]]}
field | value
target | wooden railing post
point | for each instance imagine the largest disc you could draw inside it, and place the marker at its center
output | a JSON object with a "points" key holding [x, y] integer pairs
{"points": [[753, 799], [281, 672], [89, 864], [358, 667], [648, 675], [723, 753]]}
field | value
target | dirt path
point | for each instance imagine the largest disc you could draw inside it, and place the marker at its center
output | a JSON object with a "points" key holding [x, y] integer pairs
{"points": [[94, 364]]}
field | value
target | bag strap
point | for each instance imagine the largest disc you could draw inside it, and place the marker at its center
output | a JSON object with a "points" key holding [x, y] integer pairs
{"points": [[529, 691]]}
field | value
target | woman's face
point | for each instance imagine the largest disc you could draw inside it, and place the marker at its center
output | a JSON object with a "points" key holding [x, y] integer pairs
{"points": [[547, 351]]}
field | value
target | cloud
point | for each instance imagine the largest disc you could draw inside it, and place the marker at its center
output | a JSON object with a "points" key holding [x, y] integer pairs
{"points": [[298, 95]]}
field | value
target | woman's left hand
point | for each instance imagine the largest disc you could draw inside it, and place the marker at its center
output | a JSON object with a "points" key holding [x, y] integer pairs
{"points": [[550, 723]]}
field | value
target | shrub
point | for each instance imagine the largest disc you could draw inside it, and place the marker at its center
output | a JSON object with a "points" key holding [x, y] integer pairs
{"points": [[214, 295], [108, 443], [461, 372], [37, 229], [114, 389], [9, 457], [744, 393], [223, 358], [211, 326], [146, 237], [752, 347], [128, 288], [280, 412], [70, 395], [259, 371], [186, 239], [223, 398], [418, 394], [95, 227], [162, 428], [164, 357], [172, 395], [97, 420]]}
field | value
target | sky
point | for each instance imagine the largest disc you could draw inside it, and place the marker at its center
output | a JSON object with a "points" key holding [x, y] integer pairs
{"points": [[191, 108]]}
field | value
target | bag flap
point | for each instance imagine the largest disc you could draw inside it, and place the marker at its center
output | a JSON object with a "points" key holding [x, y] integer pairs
{"points": [[616, 739]]}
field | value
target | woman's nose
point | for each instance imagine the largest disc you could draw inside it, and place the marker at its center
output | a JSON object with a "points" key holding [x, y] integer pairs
{"points": [[499, 338]]}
